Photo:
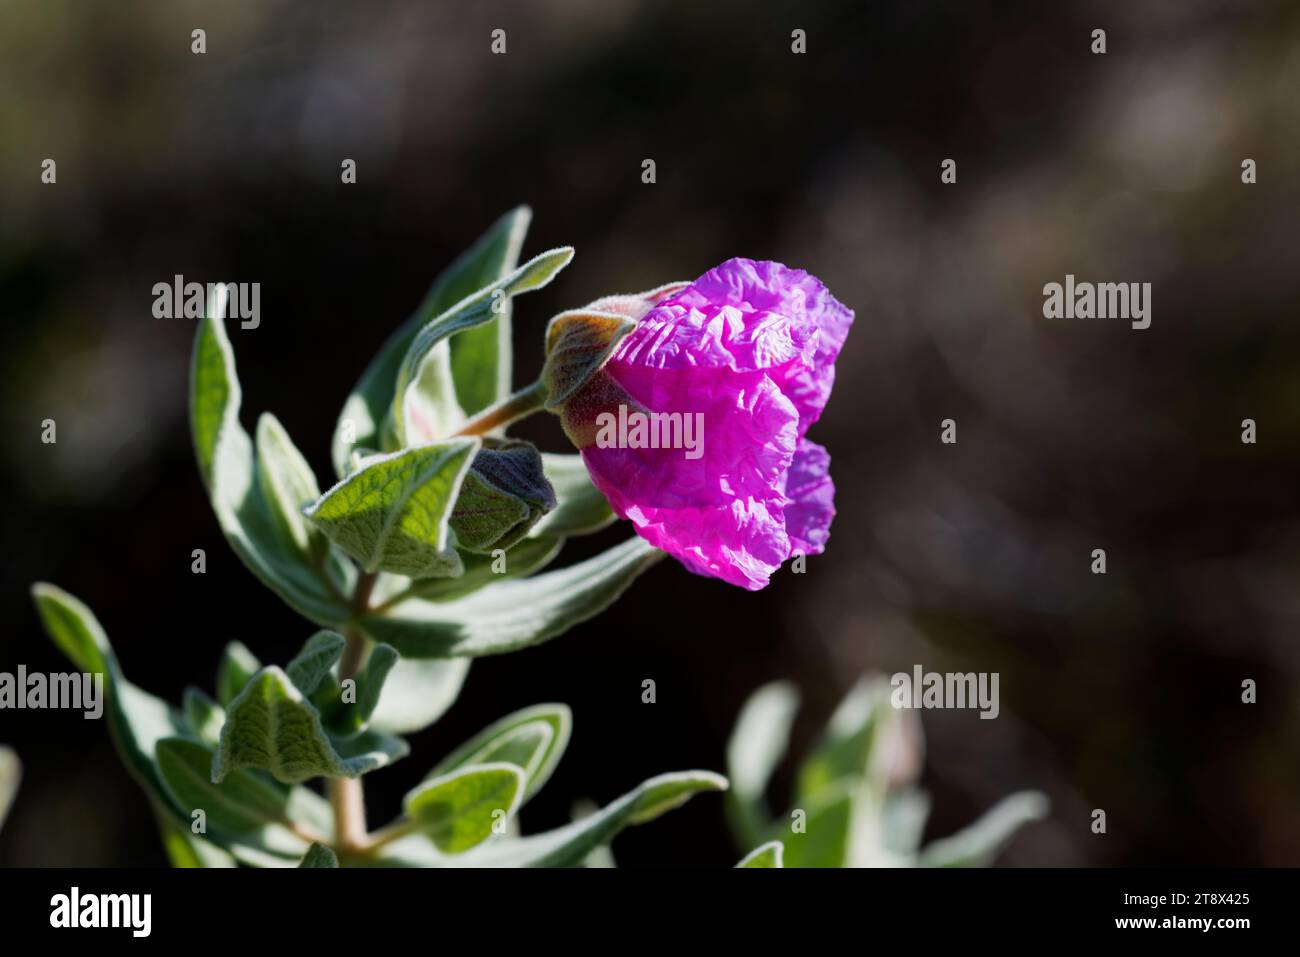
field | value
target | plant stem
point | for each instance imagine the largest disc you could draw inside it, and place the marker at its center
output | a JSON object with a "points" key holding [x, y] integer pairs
{"points": [[523, 403], [346, 795]]}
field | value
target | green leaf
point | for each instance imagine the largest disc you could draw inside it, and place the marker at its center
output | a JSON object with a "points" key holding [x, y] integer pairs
{"points": [[480, 357], [578, 343], [317, 658], [513, 614], [431, 410], [287, 485], [533, 739], [979, 844], [271, 726], [504, 494], [11, 772], [185, 849], [902, 822], [522, 559], [236, 668], [229, 469], [484, 306], [318, 855], [370, 685], [580, 508], [418, 693], [827, 835], [392, 513], [765, 855], [568, 846], [245, 807], [757, 744], [846, 746], [136, 720], [204, 716], [457, 811]]}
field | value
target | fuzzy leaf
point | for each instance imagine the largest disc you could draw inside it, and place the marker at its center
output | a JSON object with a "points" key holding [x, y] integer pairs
{"points": [[522, 559], [482, 307], [828, 831], [136, 720], [845, 749], [765, 855], [228, 466], [457, 811], [287, 484], [347, 719], [317, 658], [480, 356], [318, 855], [580, 508], [392, 513], [978, 844], [245, 806], [533, 739], [418, 693], [757, 745], [204, 716], [504, 494], [568, 846], [513, 614], [271, 726], [236, 667]]}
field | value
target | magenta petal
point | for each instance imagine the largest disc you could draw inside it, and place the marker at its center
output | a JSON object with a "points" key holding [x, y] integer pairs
{"points": [[749, 433], [811, 495]]}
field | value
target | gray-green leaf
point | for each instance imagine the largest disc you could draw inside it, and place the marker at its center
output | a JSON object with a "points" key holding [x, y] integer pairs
{"points": [[245, 806], [568, 846], [482, 307], [318, 855], [978, 844], [236, 667], [316, 659], [136, 720], [204, 716], [757, 745], [418, 693], [392, 514], [271, 726], [459, 810], [533, 739], [287, 485], [765, 855], [513, 614], [480, 356], [228, 466]]}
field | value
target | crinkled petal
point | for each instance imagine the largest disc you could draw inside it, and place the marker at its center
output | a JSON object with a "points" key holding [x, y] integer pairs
{"points": [[746, 435], [811, 494]]}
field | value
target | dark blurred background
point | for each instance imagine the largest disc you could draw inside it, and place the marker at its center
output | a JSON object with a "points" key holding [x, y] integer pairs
{"points": [[1119, 692]]}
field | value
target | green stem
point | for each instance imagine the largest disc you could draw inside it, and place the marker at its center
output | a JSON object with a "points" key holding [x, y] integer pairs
{"points": [[523, 403]]}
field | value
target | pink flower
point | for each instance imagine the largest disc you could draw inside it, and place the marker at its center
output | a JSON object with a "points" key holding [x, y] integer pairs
{"points": [[750, 347]]}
